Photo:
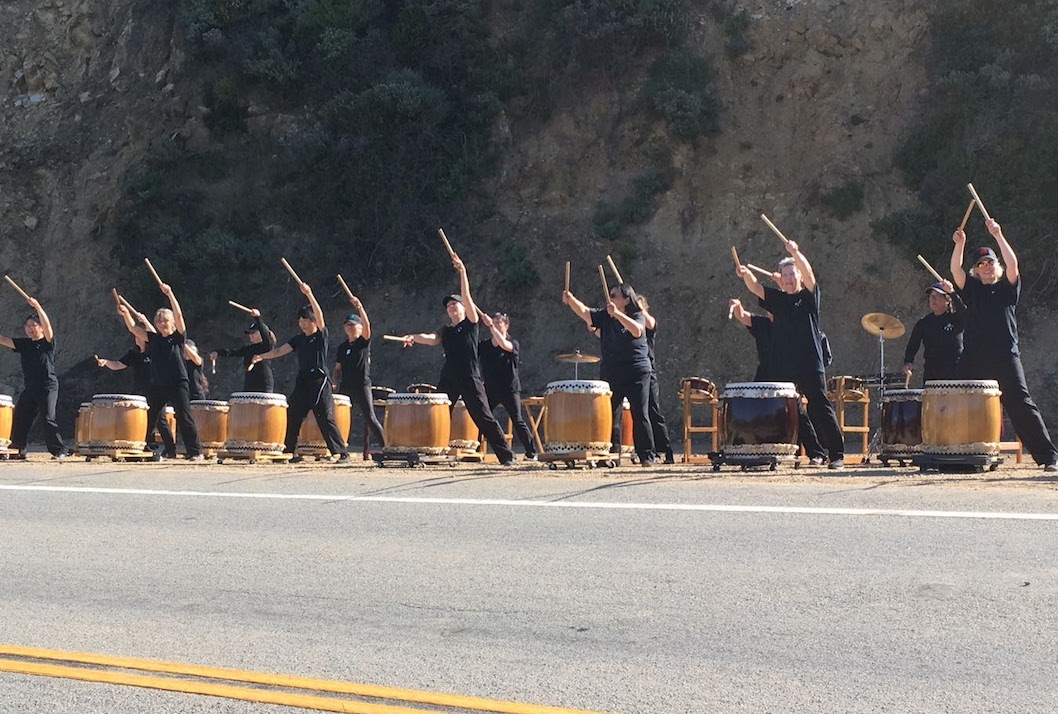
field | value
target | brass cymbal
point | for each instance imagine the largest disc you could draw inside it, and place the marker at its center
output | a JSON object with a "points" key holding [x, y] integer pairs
{"points": [[878, 323], [577, 358]]}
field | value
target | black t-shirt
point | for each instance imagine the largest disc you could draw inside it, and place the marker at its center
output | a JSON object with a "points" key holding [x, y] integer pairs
{"points": [[991, 320], [312, 353], [140, 366], [623, 356], [760, 328], [355, 359], [795, 332], [460, 344], [38, 362], [652, 335], [167, 359], [196, 380], [499, 368], [942, 336], [260, 378]]}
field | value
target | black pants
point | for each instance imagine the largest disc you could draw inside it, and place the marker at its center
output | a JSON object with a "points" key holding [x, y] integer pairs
{"points": [[821, 415], [313, 394], [177, 396], [658, 427], [34, 402], [636, 389], [472, 390], [512, 402], [362, 399], [1023, 412]]}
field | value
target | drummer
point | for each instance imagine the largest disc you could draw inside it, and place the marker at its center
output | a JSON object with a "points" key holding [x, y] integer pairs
{"points": [[798, 355], [261, 340], [760, 326], [657, 418], [499, 368], [991, 351], [352, 370], [461, 373], [198, 385], [169, 382], [41, 386], [941, 332], [312, 388], [625, 359]]}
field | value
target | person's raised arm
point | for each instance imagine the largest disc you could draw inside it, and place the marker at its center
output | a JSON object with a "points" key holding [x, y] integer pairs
{"points": [[178, 314], [651, 322], [45, 323], [1010, 261], [139, 332], [7, 342], [808, 276], [957, 273], [752, 284], [191, 355], [358, 305], [634, 326], [739, 313], [317, 311], [431, 339], [579, 309], [497, 337], [464, 289]]}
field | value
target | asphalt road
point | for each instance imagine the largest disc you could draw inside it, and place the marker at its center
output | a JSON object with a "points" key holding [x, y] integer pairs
{"points": [[644, 592]]}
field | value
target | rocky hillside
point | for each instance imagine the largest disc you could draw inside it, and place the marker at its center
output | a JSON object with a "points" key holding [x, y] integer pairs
{"points": [[815, 98]]}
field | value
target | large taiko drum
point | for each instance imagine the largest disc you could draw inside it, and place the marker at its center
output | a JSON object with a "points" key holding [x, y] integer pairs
{"points": [[901, 423], [82, 426], [961, 417], [257, 422], [118, 423], [759, 420], [577, 417], [310, 438], [464, 433], [417, 423], [211, 420], [169, 414], [7, 410]]}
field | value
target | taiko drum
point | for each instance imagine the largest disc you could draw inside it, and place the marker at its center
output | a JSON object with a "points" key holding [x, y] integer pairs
{"points": [[759, 419], [118, 423], [257, 422], [417, 423], [464, 433], [310, 438], [211, 420], [961, 417], [578, 416]]}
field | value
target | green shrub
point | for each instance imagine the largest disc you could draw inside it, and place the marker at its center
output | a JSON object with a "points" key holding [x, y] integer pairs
{"points": [[843, 201], [679, 90]]}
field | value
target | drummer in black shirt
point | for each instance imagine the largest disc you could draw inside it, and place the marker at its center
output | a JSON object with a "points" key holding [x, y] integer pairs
{"points": [[499, 368], [658, 427], [940, 332], [798, 355], [991, 349], [461, 373], [625, 359], [41, 387], [260, 378], [169, 381], [760, 326], [198, 385], [352, 370], [312, 388]]}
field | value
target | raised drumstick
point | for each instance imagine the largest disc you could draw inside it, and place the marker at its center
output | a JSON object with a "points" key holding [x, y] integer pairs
{"points": [[966, 216], [291, 271], [776, 230], [393, 338], [605, 288], [929, 267], [448, 245], [154, 272], [117, 298], [760, 270], [616, 272], [348, 292], [567, 276], [21, 292], [128, 305], [734, 254], [977, 200], [237, 306]]}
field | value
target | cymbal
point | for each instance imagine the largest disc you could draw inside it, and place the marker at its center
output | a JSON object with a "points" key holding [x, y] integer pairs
{"points": [[577, 358], [880, 324]]}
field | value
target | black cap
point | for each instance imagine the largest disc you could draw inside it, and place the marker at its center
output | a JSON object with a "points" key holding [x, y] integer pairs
{"points": [[937, 288], [986, 254], [252, 327], [450, 298], [306, 313], [353, 318]]}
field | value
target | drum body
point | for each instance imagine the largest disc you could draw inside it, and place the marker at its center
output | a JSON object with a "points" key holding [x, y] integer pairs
{"points": [[211, 420], [627, 437], [7, 410], [578, 416], [83, 426], [169, 414], [417, 423], [759, 419], [310, 438], [464, 433], [257, 422], [961, 417], [118, 423], [901, 422]]}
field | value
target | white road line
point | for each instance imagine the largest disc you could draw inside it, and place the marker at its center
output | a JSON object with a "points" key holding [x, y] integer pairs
{"points": [[595, 505]]}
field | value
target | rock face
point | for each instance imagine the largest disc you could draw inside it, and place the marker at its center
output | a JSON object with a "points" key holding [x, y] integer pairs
{"points": [[820, 100]]}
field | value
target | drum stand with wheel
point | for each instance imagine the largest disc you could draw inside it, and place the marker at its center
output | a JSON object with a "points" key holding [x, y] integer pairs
{"points": [[591, 459], [748, 463], [412, 460], [957, 463]]}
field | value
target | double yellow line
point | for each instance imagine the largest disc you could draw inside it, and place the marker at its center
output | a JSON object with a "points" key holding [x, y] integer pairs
{"points": [[34, 661]]}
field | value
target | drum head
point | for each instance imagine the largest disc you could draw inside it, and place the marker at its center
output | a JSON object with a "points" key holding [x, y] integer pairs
{"points": [[579, 386], [425, 398], [265, 398], [343, 400]]}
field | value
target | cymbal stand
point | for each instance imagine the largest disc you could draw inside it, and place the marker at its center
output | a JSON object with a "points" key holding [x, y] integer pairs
{"points": [[875, 445]]}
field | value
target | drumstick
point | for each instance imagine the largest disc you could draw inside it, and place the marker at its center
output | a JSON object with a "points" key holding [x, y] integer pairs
{"points": [[776, 230], [291, 271], [760, 270], [734, 254], [930, 268], [602, 278], [251, 366], [448, 245], [127, 304], [117, 299], [392, 338], [213, 364], [348, 292], [616, 272], [907, 381], [240, 307], [154, 272], [977, 200], [966, 216], [567, 276], [15, 286]]}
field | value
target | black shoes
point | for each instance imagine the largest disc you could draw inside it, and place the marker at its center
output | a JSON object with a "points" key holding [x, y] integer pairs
{"points": [[343, 459]]}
